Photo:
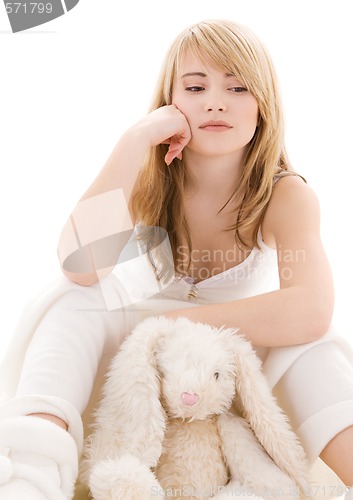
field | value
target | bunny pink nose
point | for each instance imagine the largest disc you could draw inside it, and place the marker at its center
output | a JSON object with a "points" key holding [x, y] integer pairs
{"points": [[189, 399]]}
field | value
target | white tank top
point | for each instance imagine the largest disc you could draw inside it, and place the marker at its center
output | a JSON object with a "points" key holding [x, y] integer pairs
{"points": [[256, 274]]}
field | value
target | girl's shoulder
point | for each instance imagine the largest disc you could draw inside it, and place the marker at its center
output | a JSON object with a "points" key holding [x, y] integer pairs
{"points": [[288, 174], [290, 185], [293, 206]]}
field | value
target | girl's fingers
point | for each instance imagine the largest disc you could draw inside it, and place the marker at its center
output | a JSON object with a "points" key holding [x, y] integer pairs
{"points": [[171, 155], [174, 151], [176, 146]]}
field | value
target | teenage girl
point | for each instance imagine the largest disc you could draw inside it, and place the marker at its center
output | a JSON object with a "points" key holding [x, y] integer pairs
{"points": [[207, 168]]}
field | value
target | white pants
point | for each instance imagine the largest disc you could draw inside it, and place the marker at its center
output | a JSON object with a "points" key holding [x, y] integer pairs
{"points": [[77, 336]]}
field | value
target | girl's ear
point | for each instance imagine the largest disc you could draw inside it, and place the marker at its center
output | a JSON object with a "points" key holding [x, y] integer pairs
{"points": [[256, 404], [130, 418]]}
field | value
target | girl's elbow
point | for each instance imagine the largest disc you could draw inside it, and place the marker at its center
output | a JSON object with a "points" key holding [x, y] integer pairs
{"points": [[320, 321], [84, 279], [318, 330], [79, 266]]}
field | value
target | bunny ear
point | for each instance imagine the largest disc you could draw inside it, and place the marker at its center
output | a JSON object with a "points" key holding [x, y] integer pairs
{"points": [[255, 402], [130, 418]]}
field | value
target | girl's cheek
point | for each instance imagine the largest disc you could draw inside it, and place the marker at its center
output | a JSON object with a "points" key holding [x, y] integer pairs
{"points": [[177, 102]]}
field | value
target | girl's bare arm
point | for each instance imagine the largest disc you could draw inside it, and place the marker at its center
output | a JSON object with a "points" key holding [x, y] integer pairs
{"points": [[101, 223]]}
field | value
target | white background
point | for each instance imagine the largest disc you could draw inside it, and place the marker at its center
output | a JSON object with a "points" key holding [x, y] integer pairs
{"points": [[69, 88]]}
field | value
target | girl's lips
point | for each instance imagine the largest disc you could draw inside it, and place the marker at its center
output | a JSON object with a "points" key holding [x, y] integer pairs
{"points": [[215, 126]]}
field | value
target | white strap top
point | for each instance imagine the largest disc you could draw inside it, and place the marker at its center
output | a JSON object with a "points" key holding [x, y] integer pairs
{"points": [[255, 275]]}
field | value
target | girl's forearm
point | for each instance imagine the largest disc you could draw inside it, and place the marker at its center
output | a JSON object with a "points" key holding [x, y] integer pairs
{"points": [[123, 166], [283, 317], [101, 221]]}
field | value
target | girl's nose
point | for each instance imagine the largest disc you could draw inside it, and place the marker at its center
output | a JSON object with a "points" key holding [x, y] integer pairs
{"points": [[220, 108], [189, 398], [215, 104]]}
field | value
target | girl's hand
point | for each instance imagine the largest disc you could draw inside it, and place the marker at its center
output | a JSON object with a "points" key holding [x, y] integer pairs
{"points": [[168, 125]]}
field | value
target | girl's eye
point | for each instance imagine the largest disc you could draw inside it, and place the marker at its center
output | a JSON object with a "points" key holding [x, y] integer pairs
{"points": [[238, 90], [195, 88]]}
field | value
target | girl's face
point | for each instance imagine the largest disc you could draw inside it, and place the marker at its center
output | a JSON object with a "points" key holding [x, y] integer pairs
{"points": [[221, 112]]}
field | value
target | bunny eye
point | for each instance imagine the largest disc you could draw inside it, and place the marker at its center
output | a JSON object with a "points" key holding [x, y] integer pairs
{"points": [[216, 375]]}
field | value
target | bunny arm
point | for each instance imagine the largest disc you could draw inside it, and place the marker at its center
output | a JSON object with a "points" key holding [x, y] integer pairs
{"points": [[130, 418], [251, 468], [255, 402], [125, 477]]}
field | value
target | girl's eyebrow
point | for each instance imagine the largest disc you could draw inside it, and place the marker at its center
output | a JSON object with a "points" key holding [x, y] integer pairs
{"points": [[203, 75], [195, 73]]}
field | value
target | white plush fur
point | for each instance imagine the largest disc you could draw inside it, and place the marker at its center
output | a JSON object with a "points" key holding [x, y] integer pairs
{"points": [[134, 480], [147, 443]]}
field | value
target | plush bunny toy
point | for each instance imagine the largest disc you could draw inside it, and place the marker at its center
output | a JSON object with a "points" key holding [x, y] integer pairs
{"points": [[186, 413]]}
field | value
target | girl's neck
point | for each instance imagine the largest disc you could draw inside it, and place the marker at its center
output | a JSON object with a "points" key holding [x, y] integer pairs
{"points": [[216, 177]]}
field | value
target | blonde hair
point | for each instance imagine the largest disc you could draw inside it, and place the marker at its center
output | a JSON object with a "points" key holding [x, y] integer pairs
{"points": [[158, 201]]}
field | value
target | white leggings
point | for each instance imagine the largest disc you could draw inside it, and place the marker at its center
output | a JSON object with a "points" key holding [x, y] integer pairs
{"points": [[77, 337], [316, 393]]}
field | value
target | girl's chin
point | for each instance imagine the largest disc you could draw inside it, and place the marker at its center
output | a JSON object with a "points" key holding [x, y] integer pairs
{"points": [[211, 151]]}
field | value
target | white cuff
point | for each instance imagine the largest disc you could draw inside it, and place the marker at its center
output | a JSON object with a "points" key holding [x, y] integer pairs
{"points": [[25, 405], [38, 455]]}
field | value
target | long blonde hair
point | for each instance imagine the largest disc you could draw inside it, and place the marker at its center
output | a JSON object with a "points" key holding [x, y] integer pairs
{"points": [[158, 200]]}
